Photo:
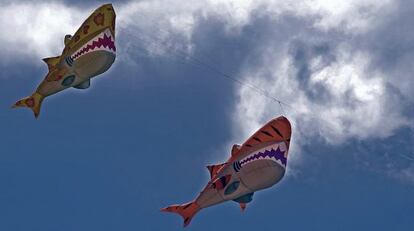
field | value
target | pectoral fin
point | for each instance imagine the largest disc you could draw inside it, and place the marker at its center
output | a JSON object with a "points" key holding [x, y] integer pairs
{"points": [[52, 62], [242, 206], [214, 168], [84, 85]]}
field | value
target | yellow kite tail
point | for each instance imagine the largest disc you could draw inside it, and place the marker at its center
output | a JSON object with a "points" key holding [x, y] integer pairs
{"points": [[33, 102]]}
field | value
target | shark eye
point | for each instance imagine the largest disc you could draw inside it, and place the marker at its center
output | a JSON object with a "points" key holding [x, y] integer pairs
{"points": [[68, 80]]}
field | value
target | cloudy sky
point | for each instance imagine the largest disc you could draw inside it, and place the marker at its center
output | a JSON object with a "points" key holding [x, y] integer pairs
{"points": [[108, 158]]}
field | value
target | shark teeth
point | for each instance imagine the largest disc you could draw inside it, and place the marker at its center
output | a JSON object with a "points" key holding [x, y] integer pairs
{"points": [[102, 42], [275, 152]]}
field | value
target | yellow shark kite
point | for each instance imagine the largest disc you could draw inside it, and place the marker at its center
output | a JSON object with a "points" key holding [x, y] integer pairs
{"points": [[88, 53]]}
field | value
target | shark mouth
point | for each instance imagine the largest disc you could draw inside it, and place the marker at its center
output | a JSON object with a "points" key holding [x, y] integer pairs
{"points": [[273, 152], [102, 42]]}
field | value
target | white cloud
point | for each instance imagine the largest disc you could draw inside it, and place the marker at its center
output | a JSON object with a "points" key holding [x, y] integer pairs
{"points": [[156, 28], [35, 30], [358, 105], [349, 16]]}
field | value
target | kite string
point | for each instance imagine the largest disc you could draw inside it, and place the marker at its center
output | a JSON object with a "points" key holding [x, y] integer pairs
{"points": [[192, 60], [408, 157], [196, 62], [281, 108]]}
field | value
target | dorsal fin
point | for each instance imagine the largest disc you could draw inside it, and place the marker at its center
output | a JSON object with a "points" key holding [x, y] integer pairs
{"points": [[67, 39], [214, 168], [51, 61], [234, 149]]}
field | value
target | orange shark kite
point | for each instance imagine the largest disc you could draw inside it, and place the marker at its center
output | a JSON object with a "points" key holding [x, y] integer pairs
{"points": [[258, 163]]}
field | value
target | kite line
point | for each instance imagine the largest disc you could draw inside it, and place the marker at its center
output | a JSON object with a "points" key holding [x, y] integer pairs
{"points": [[197, 62]]}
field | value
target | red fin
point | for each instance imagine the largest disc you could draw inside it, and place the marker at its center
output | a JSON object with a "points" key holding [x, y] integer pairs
{"points": [[33, 102], [213, 169], [52, 62], [242, 206], [187, 211], [235, 149]]}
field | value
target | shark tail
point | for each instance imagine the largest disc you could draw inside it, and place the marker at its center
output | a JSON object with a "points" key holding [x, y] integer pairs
{"points": [[187, 211], [33, 102]]}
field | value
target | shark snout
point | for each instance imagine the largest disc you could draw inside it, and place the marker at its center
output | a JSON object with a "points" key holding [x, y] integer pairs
{"points": [[107, 8]]}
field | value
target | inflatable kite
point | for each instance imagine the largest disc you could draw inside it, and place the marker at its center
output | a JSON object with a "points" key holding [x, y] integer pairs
{"points": [[88, 53], [257, 164]]}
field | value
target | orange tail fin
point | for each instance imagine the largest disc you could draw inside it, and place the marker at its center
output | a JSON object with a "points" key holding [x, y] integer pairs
{"points": [[33, 102], [187, 211]]}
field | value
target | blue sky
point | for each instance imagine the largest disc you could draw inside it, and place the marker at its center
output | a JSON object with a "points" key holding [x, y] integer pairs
{"points": [[108, 158]]}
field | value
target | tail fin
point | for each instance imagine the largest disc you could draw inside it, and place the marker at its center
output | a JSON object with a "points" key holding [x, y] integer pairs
{"points": [[33, 102], [187, 211]]}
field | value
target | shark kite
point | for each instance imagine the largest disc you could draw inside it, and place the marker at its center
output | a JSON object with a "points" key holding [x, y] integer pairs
{"points": [[88, 53], [258, 163]]}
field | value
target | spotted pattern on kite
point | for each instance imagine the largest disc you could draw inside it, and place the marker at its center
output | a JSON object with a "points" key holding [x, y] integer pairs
{"points": [[85, 29], [268, 153], [99, 19], [77, 37], [29, 102], [54, 78]]}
